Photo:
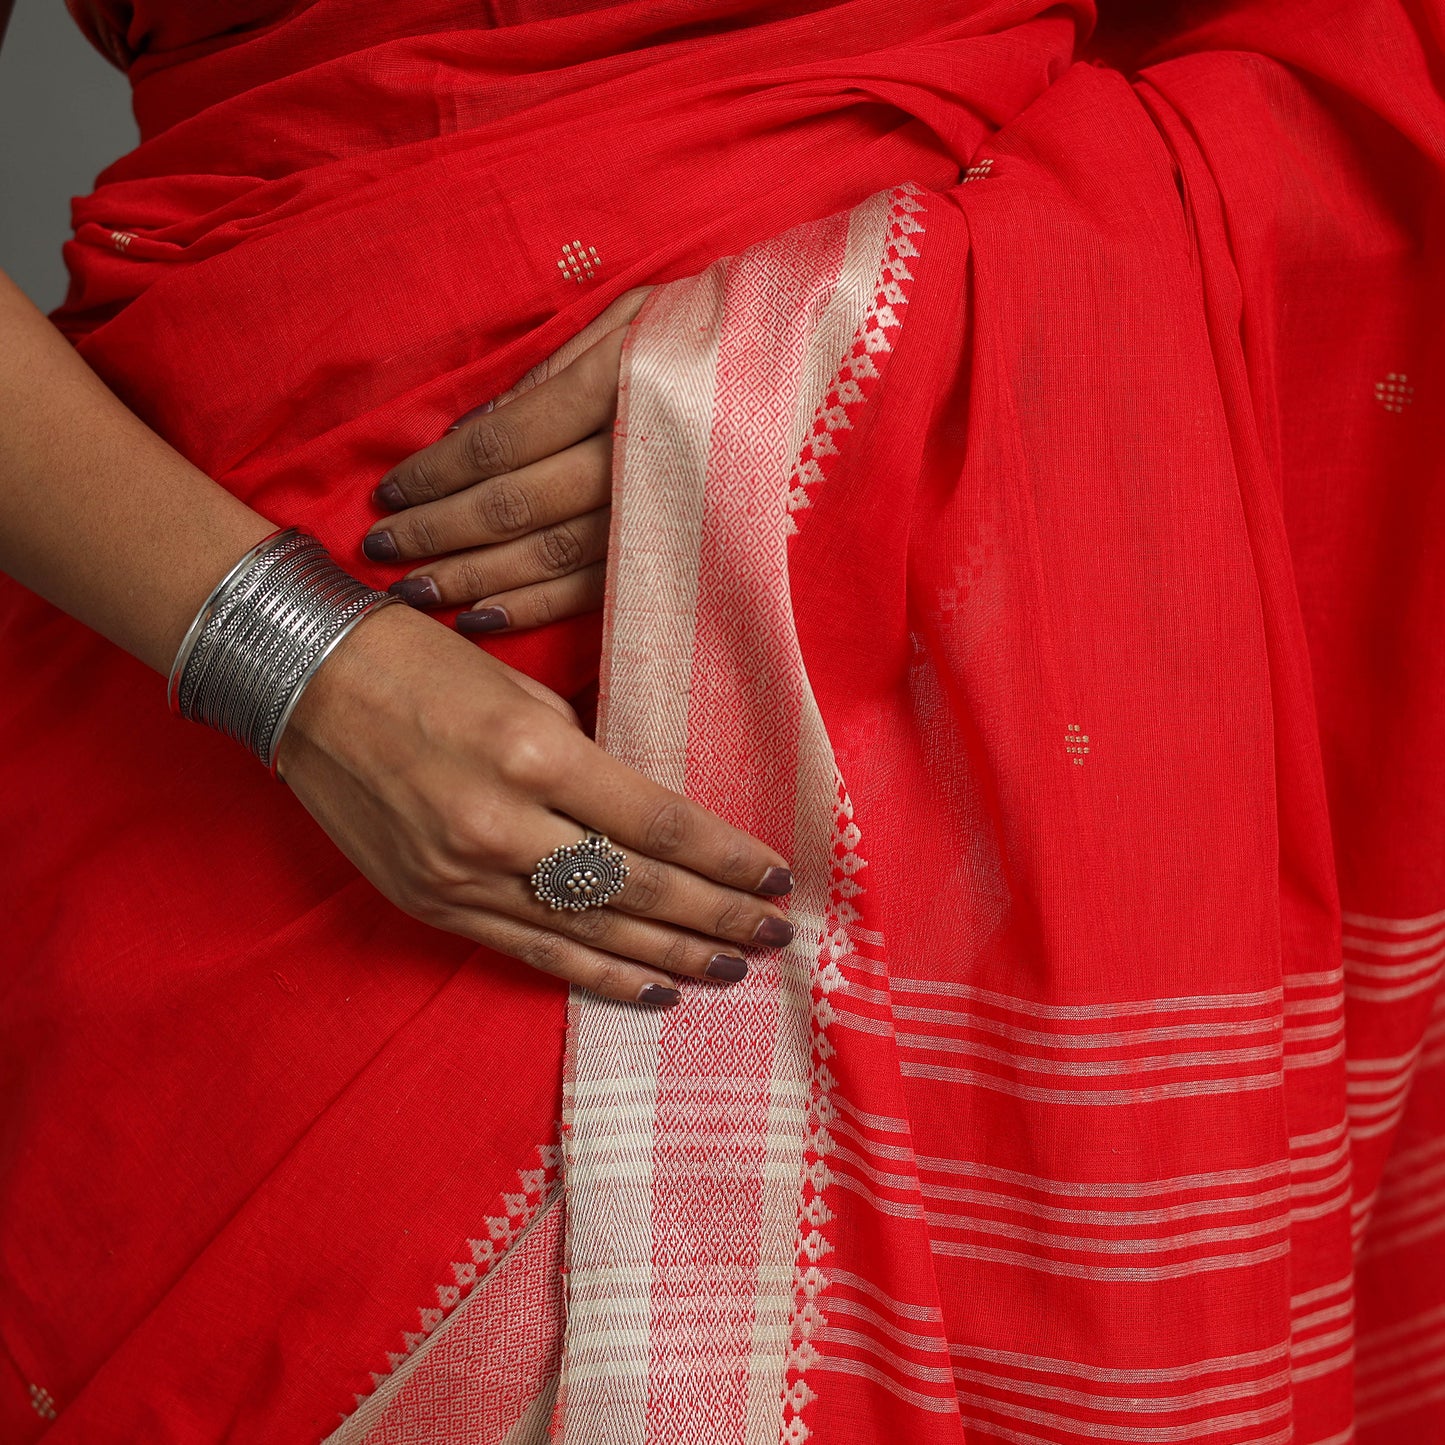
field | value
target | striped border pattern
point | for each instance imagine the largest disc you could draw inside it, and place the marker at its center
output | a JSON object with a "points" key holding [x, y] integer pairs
{"points": [[685, 1132], [1400, 1224]]}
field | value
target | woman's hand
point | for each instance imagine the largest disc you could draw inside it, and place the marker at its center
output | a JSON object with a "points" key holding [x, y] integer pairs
{"points": [[511, 505], [446, 776]]}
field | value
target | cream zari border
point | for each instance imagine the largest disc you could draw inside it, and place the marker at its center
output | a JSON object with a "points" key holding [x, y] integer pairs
{"points": [[676, 1316]]}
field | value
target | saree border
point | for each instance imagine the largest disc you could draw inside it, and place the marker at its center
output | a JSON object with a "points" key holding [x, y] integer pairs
{"points": [[734, 384], [483, 1274]]}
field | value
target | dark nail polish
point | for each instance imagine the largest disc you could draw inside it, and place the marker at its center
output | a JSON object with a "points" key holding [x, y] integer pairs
{"points": [[655, 995], [380, 547], [483, 619], [725, 968], [776, 882], [773, 932], [388, 495], [417, 592], [466, 416]]}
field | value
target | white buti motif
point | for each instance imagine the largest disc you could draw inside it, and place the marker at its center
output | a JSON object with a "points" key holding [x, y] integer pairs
{"points": [[1394, 393], [579, 263]]}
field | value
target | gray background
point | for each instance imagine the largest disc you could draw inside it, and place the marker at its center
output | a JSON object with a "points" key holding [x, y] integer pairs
{"points": [[64, 116]]}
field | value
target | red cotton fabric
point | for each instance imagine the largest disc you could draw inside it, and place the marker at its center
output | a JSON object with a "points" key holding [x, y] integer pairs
{"points": [[1028, 516]]}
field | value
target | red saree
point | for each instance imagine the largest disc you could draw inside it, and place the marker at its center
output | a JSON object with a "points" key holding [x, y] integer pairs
{"points": [[1031, 525]]}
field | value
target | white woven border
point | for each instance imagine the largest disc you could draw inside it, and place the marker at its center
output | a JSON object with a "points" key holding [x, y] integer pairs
{"points": [[668, 455]]}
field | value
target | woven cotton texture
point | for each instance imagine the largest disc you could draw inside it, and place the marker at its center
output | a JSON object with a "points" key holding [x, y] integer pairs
{"points": [[1028, 520]]}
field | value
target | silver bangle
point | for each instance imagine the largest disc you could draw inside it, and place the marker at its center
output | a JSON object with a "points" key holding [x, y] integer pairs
{"points": [[261, 635]]}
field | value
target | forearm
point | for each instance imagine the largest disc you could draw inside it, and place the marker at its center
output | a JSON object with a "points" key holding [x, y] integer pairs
{"points": [[97, 513]]}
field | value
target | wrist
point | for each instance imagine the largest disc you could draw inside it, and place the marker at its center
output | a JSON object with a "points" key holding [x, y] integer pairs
{"points": [[357, 681], [262, 635]]}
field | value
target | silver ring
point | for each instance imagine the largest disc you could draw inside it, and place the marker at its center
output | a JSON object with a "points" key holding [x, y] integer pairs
{"points": [[578, 876]]}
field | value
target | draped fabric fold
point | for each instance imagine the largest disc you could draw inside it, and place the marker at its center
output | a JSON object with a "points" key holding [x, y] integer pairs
{"points": [[1027, 518]]}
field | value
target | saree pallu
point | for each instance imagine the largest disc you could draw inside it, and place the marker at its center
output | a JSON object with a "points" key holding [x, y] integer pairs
{"points": [[1027, 518]]}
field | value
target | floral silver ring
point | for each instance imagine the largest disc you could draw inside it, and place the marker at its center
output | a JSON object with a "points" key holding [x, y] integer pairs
{"points": [[582, 875]]}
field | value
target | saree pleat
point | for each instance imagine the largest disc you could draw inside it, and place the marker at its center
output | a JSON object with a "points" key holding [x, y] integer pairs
{"points": [[1027, 518]]}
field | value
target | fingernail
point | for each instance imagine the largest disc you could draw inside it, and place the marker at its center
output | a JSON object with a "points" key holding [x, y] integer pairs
{"points": [[416, 592], [483, 619], [466, 416], [388, 495], [725, 968], [380, 547], [776, 882], [773, 932], [656, 995]]}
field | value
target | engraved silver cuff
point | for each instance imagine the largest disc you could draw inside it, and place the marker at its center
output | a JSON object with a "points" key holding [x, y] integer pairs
{"points": [[260, 636]]}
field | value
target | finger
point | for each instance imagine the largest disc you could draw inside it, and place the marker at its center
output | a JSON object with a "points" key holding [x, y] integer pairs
{"points": [[551, 952], [639, 815], [578, 401], [535, 606], [574, 482], [471, 415], [675, 895], [541, 556], [651, 890], [622, 935]]}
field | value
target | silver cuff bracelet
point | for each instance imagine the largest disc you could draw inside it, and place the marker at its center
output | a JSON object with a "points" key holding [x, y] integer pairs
{"points": [[259, 638]]}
